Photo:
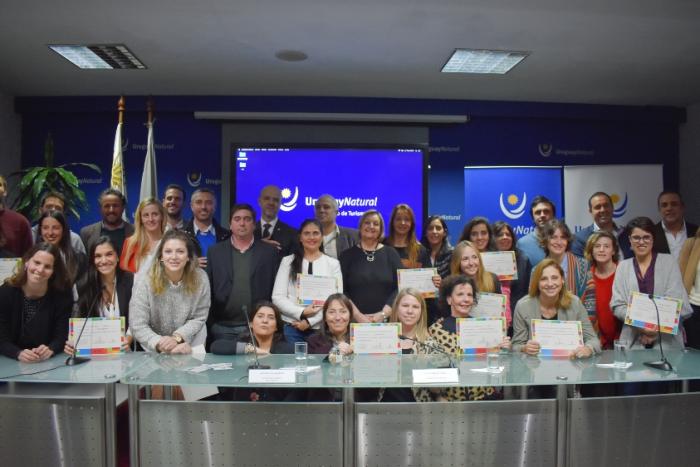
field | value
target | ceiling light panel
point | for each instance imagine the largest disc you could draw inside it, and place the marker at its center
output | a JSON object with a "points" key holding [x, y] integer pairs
{"points": [[483, 61]]}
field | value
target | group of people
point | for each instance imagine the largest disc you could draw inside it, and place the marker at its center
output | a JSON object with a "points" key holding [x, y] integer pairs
{"points": [[184, 284]]}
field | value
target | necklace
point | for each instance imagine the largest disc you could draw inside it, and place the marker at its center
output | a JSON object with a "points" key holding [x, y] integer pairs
{"points": [[369, 255]]}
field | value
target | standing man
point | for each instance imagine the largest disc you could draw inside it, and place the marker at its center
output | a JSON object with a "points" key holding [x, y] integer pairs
{"points": [[542, 210], [55, 201], [16, 231], [241, 272], [112, 204], [336, 239], [203, 227], [173, 198], [270, 229], [600, 205], [672, 231]]}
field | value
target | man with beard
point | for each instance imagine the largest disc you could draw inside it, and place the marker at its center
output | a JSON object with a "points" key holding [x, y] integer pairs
{"points": [[600, 205], [203, 227], [542, 211], [112, 204], [173, 197]]}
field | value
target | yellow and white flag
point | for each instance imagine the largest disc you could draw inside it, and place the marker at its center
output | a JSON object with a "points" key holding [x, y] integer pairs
{"points": [[118, 176]]}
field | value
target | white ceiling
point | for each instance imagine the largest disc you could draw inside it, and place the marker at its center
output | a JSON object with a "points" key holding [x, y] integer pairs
{"points": [[641, 52]]}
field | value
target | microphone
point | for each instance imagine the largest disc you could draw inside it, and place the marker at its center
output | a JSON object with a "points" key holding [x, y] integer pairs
{"points": [[73, 360], [432, 347], [256, 365], [662, 364]]}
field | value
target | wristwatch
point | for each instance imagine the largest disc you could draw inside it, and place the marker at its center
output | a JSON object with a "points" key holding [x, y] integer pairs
{"points": [[178, 338]]}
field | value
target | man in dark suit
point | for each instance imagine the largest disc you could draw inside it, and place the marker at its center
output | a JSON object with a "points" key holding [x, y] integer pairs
{"points": [[241, 272], [600, 205], [336, 239], [672, 231], [112, 204], [203, 227], [270, 228]]}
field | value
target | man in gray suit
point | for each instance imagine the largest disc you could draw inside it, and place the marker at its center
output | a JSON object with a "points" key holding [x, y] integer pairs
{"points": [[112, 205], [336, 239]]}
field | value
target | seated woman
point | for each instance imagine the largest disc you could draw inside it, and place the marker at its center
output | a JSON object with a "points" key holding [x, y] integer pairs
{"points": [[479, 232], [458, 293], [556, 241], [149, 225], [549, 299], [402, 236], [307, 258], [170, 304], [335, 327], [647, 272], [106, 292], [435, 240], [516, 289], [53, 228], [602, 253], [35, 306]]}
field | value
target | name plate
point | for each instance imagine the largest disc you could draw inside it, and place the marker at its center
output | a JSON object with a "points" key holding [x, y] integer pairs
{"points": [[436, 375], [281, 376]]}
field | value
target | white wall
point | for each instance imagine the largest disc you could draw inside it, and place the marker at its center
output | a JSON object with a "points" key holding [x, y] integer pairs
{"points": [[10, 137], [689, 142]]}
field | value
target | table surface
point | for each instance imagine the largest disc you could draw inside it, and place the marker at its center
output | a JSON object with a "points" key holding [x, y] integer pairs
{"points": [[396, 370]]}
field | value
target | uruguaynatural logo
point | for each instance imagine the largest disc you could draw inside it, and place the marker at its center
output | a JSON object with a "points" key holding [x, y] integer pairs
{"points": [[545, 149], [513, 210], [621, 210], [194, 179], [289, 204]]}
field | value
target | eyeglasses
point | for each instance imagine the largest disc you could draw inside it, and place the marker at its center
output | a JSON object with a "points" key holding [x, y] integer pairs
{"points": [[641, 238]]}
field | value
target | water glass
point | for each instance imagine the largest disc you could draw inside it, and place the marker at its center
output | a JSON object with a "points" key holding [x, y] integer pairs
{"points": [[493, 361], [621, 348], [301, 352]]}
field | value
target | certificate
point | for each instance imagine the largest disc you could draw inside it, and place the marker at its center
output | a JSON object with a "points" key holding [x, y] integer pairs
{"points": [[480, 335], [420, 279], [8, 267], [101, 335], [501, 263], [641, 312], [375, 338], [489, 305], [556, 338], [314, 290]]}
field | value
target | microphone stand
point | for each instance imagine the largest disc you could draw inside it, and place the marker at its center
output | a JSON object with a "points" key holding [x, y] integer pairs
{"points": [[662, 364], [432, 347], [256, 365], [73, 360]]}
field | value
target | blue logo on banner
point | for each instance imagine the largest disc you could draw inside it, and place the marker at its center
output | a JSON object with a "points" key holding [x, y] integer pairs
{"points": [[288, 205], [621, 210], [505, 193]]}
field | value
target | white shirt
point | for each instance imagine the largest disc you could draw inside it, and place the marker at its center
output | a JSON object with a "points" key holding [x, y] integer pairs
{"points": [[272, 223], [675, 242]]}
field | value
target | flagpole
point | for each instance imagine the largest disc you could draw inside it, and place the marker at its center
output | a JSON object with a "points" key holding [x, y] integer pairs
{"points": [[149, 177]]}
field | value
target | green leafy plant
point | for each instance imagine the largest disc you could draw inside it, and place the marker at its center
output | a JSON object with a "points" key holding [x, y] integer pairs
{"points": [[36, 181]]}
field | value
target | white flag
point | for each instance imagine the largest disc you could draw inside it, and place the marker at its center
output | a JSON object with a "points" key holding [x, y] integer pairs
{"points": [[149, 179], [118, 178]]}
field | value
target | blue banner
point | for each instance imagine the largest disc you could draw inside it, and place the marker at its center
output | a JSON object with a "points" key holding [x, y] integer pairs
{"points": [[505, 193]]}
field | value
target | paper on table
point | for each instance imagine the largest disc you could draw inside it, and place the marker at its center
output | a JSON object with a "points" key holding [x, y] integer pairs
{"points": [[641, 312], [420, 279], [8, 267], [488, 370], [315, 289], [556, 338], [375, 338], [436, 375], [614, 366], [489, 305], [501, 263], [280, 376], [479, 335]]}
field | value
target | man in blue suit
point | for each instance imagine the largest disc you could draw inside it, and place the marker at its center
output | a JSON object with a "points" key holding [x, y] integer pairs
{"points": [[600, 205]]}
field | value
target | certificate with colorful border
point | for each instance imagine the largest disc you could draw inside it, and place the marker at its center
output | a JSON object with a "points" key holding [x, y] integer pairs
{"points": [[480, 335], [556, 338], [420, 279], [489, 305], [314, 290], [375, 338], [102, 336], [501, 263], [641, 312], [8, 268]]}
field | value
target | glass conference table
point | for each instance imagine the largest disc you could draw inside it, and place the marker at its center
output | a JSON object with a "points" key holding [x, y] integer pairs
{"points": [[560, 430], [53, 414]]}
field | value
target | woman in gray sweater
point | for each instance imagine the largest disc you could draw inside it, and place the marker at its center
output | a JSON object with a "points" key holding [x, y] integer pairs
{"points": [[169, 305]]}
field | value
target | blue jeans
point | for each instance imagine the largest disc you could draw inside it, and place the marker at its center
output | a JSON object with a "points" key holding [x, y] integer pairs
{"points": [[293, 335]]}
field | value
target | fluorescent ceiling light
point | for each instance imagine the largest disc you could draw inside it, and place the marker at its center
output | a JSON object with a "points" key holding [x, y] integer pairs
{"points": [[96, 57], [483, 61]]}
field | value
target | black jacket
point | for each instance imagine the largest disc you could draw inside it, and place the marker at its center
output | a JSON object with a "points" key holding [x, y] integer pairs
{"points": [[283, 233], [660, 242]]}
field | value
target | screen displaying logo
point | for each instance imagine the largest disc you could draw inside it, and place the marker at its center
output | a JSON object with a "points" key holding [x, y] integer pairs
{"points": [[287, 203]]}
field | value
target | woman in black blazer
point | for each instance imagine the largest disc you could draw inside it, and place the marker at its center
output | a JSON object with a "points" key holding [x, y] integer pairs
{"points": [[36, 304]]}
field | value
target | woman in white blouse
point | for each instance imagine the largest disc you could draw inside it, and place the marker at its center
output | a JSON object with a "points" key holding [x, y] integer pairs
{"points": [[300, 321]]}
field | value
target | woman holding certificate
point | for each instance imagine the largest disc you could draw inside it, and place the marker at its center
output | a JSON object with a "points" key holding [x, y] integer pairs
{"points": [[549, 299], [440, 253], [648, 272], [170, 304], [149, 225], [369, 271], [35, 306], [602, 253], [334, 335], [458, 293], [402, 236], [106, 292], [505, 239], [308, 259], [467, 260]]}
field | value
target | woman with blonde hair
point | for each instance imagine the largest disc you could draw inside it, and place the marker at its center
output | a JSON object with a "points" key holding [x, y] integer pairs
{"points": [[150, 221], [466, 260]]}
